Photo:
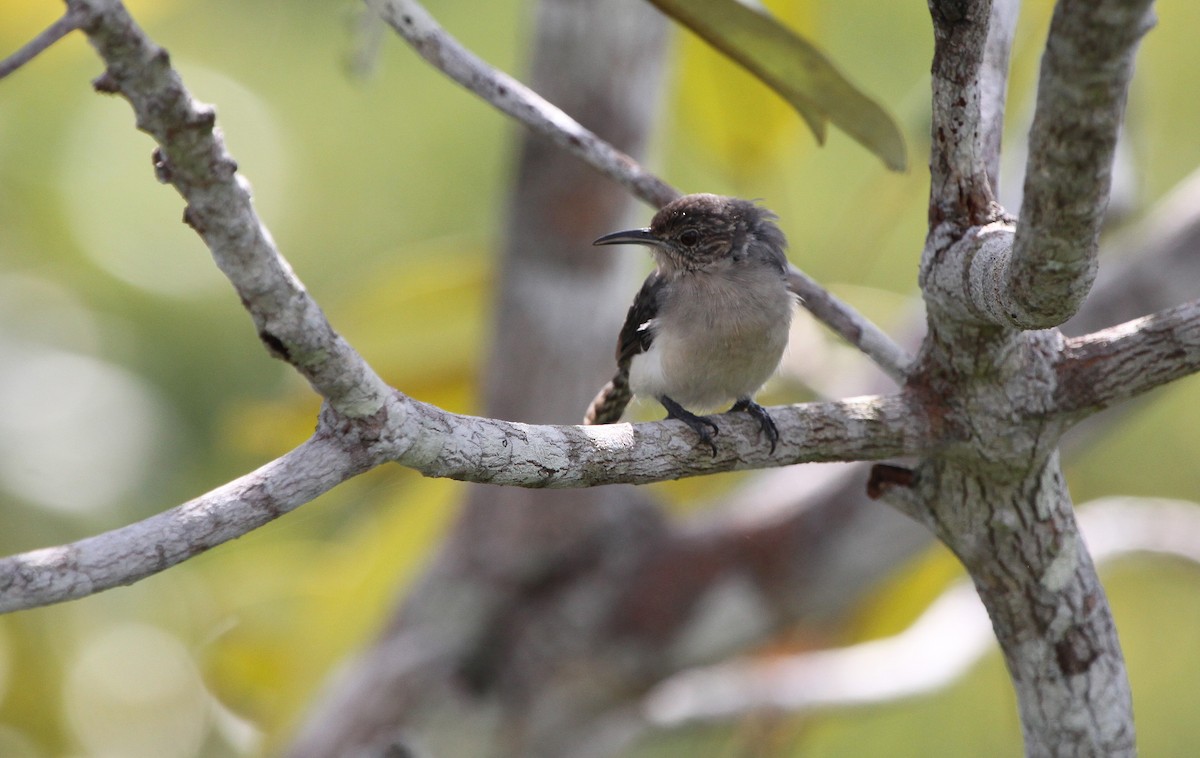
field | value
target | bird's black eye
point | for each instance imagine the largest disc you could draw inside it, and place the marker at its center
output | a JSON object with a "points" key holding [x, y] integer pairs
{"points": [[689, 238]]}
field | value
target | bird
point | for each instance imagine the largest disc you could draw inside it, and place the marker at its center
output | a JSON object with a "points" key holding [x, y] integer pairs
{"points": [[710, 324]]}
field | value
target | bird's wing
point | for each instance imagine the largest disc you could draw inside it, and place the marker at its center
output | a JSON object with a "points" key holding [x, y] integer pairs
{"points": [[638, 331], [636, 336]]}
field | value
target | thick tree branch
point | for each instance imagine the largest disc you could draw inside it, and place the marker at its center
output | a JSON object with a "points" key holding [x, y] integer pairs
{"points": [[68, 23], [965, 247], [1016, 534], [1104, 368], [1081, 101], [441, 444], [992, 488]]}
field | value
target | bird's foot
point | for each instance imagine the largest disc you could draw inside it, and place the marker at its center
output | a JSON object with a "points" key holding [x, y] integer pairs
{"points": [[703, 427], [764, 419]]}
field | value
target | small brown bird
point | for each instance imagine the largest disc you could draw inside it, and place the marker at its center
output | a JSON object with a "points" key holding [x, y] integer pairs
{"points": [[710, 325]]}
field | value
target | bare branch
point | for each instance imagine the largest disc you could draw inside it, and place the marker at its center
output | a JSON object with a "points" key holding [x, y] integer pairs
{"points": [[972, 41], [192, 158], [993, 85], [367, 418], [1109, 366], [441, 444], [125, 555], [850, 325], [419, 29], [1081, 101], [962, 260], [69, 22]]}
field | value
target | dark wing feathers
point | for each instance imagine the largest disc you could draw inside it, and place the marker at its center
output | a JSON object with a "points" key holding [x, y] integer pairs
{"points": [[636, 336]]}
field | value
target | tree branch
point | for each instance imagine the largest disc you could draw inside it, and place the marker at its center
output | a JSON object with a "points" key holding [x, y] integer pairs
{"points": [[1121, 362], [850, 325], [1081, 101], [375, 422], [971, 47], [125, 555], [964, 253], [1018, 538], [192, 158], [412, 22], [441, 444], [69, 22]]}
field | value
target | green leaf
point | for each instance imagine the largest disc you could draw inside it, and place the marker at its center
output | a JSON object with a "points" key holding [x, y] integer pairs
{"points": [[795, 69]]}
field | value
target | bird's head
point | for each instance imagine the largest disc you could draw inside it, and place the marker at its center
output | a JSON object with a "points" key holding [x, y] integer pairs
{"points": [[696, 232]]}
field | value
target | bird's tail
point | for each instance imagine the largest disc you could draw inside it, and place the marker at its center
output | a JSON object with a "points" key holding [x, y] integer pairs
{"points": [[610, 402]]}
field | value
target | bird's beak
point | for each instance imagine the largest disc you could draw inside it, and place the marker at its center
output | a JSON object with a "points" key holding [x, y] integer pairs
{"points": [[628, 237]]}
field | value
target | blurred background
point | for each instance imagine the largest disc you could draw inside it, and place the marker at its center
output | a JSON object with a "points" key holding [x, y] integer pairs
{"points": [[131, 379]]}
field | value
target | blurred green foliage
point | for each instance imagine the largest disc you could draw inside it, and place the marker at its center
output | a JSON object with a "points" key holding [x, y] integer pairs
{"points": [[385, 194]]}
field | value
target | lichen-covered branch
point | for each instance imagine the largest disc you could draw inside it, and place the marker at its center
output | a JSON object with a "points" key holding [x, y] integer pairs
{"points": [[1085, 75], [1016, 534], [970, 74], [1107, 367], [441, 444]]}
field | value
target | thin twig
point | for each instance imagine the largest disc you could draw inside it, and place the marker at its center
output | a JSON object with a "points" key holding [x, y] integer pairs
{"points": [[419, 29], [850, 325], [68, 23]]}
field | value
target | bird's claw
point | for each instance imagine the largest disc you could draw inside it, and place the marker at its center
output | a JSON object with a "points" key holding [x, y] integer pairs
{"points": [[764, 419], [704, 428]]}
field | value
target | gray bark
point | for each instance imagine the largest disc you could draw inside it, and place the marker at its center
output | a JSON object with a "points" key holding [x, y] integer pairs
{"points": [[992, 488], [530, 627]]}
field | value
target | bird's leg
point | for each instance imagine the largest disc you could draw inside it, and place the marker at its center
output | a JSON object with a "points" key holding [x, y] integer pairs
{"points": [[700, 425], [764, 419]]}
